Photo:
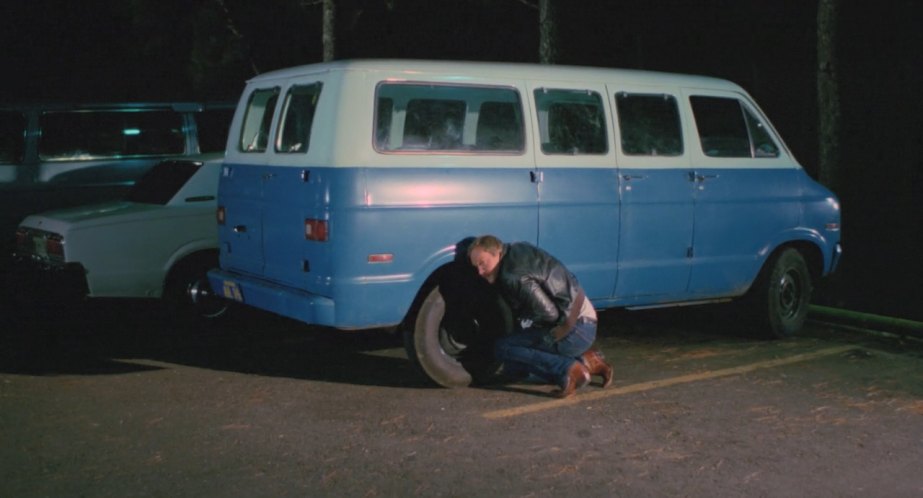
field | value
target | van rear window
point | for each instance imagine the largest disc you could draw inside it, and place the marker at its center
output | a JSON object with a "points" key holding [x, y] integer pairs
{"points": [[297, 118], [448, 118], [254, 134], [94, 134]]}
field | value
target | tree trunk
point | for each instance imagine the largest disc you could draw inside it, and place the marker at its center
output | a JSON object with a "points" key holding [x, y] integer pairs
{"points": [[329, 36], [828, 94], [547, 32], [232, 28]]}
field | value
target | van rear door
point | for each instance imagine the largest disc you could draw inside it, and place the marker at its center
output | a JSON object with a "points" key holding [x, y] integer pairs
{"points": [[241, 188]]}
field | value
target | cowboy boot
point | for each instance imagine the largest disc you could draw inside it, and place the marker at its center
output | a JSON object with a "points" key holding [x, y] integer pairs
{"points": [[577, 377], [596, 364]]}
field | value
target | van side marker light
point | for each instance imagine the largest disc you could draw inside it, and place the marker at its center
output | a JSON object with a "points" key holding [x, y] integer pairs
{"points": [[381, 258], [833, 227]]}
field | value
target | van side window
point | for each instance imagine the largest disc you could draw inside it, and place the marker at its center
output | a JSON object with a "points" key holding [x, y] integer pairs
{"points": [[649, 124], [728, 129], [100, 134], [499, 127], [297, 118], [254, 134], [763, 145], [433, 118], [571, 121], [434, 124], [12, 137], [383, 117]]}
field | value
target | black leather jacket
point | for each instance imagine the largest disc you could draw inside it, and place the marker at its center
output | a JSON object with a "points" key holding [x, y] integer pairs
{"points": [[537, 286]]}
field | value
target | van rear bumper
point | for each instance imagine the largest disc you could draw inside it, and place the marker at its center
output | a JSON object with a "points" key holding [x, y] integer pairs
{"points": [[286, 301]]}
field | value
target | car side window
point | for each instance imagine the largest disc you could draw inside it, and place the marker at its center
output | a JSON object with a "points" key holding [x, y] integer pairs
{"points": [[162, 182], [69, 135], [571, 121], [254, 134], [728, 129], [649, 124], [212, 127], [12, 137], [297, 118]]}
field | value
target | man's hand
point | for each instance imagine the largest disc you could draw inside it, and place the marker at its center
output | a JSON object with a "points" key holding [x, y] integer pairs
{"points": [[560, 332]]}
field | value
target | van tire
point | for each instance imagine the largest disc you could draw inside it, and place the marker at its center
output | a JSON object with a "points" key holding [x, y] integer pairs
{"points": [[455, 349], [782, 295]]}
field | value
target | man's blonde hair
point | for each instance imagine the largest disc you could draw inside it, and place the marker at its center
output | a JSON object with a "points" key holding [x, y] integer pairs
{"points": [[487, 243]]}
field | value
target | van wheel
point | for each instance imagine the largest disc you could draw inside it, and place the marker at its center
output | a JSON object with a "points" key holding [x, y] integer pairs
{"points": [[783, 294], [454, 349], [189, 294]]}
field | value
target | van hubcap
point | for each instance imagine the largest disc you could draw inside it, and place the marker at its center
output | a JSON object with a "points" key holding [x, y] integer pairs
{"points": [[790, 291]]}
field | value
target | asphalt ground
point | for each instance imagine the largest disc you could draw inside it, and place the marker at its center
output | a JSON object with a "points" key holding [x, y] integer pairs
{"points": [[118, 401]]}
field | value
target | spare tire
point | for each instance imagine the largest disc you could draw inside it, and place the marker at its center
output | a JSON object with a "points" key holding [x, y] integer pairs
{"points": [[453, 345]]}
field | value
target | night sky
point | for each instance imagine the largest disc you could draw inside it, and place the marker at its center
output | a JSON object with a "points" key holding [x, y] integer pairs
{"points": [[124, 50]]}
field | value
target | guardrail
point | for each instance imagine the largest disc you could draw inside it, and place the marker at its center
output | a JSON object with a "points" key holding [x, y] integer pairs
{"points": [[866, 322]]}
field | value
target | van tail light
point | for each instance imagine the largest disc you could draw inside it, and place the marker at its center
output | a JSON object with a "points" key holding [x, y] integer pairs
{"points": [[220, 215], [316, 230]]}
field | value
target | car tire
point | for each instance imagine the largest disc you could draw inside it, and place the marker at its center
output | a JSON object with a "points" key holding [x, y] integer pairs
{"points": [[782, 295], [189, 294]]}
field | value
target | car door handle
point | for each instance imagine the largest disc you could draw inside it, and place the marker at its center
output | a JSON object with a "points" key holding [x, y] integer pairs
{"points": [[240, 229], [629, 178]]}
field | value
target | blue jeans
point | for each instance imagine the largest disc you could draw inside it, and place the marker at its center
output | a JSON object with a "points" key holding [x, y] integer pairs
{"points": [[533, 351]]}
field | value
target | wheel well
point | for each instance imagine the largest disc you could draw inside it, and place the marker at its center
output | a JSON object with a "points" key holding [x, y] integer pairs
{"points": [[811, 254], [432, 281], [196, 259]]}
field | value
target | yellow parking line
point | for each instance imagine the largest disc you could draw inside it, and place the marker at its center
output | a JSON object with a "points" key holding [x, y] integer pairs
{"points": [[656, 384]]}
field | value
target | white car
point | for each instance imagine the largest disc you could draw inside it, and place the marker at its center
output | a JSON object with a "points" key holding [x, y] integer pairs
{"points": [[157, 243]]}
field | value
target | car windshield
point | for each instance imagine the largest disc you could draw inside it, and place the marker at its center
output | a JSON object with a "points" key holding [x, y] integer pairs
{"points": [[161, 183]]}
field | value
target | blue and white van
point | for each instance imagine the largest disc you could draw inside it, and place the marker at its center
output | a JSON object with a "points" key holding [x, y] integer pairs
{"points": [[349, 187]]}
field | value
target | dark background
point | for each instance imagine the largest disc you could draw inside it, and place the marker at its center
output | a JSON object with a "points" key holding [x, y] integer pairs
{"points": [[156, 50]]}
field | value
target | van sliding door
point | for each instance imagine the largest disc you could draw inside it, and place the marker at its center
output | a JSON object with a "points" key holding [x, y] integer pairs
{"points": [[655, 236], [578, 220]]}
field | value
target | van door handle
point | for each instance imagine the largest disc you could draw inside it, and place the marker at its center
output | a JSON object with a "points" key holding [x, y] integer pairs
{"points": [[240, 229], [537, 176], [629, 178], [698, 177]]}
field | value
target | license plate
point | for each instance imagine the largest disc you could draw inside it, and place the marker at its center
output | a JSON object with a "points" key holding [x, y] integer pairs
{"points": [[231, 290], [39, 247]]}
